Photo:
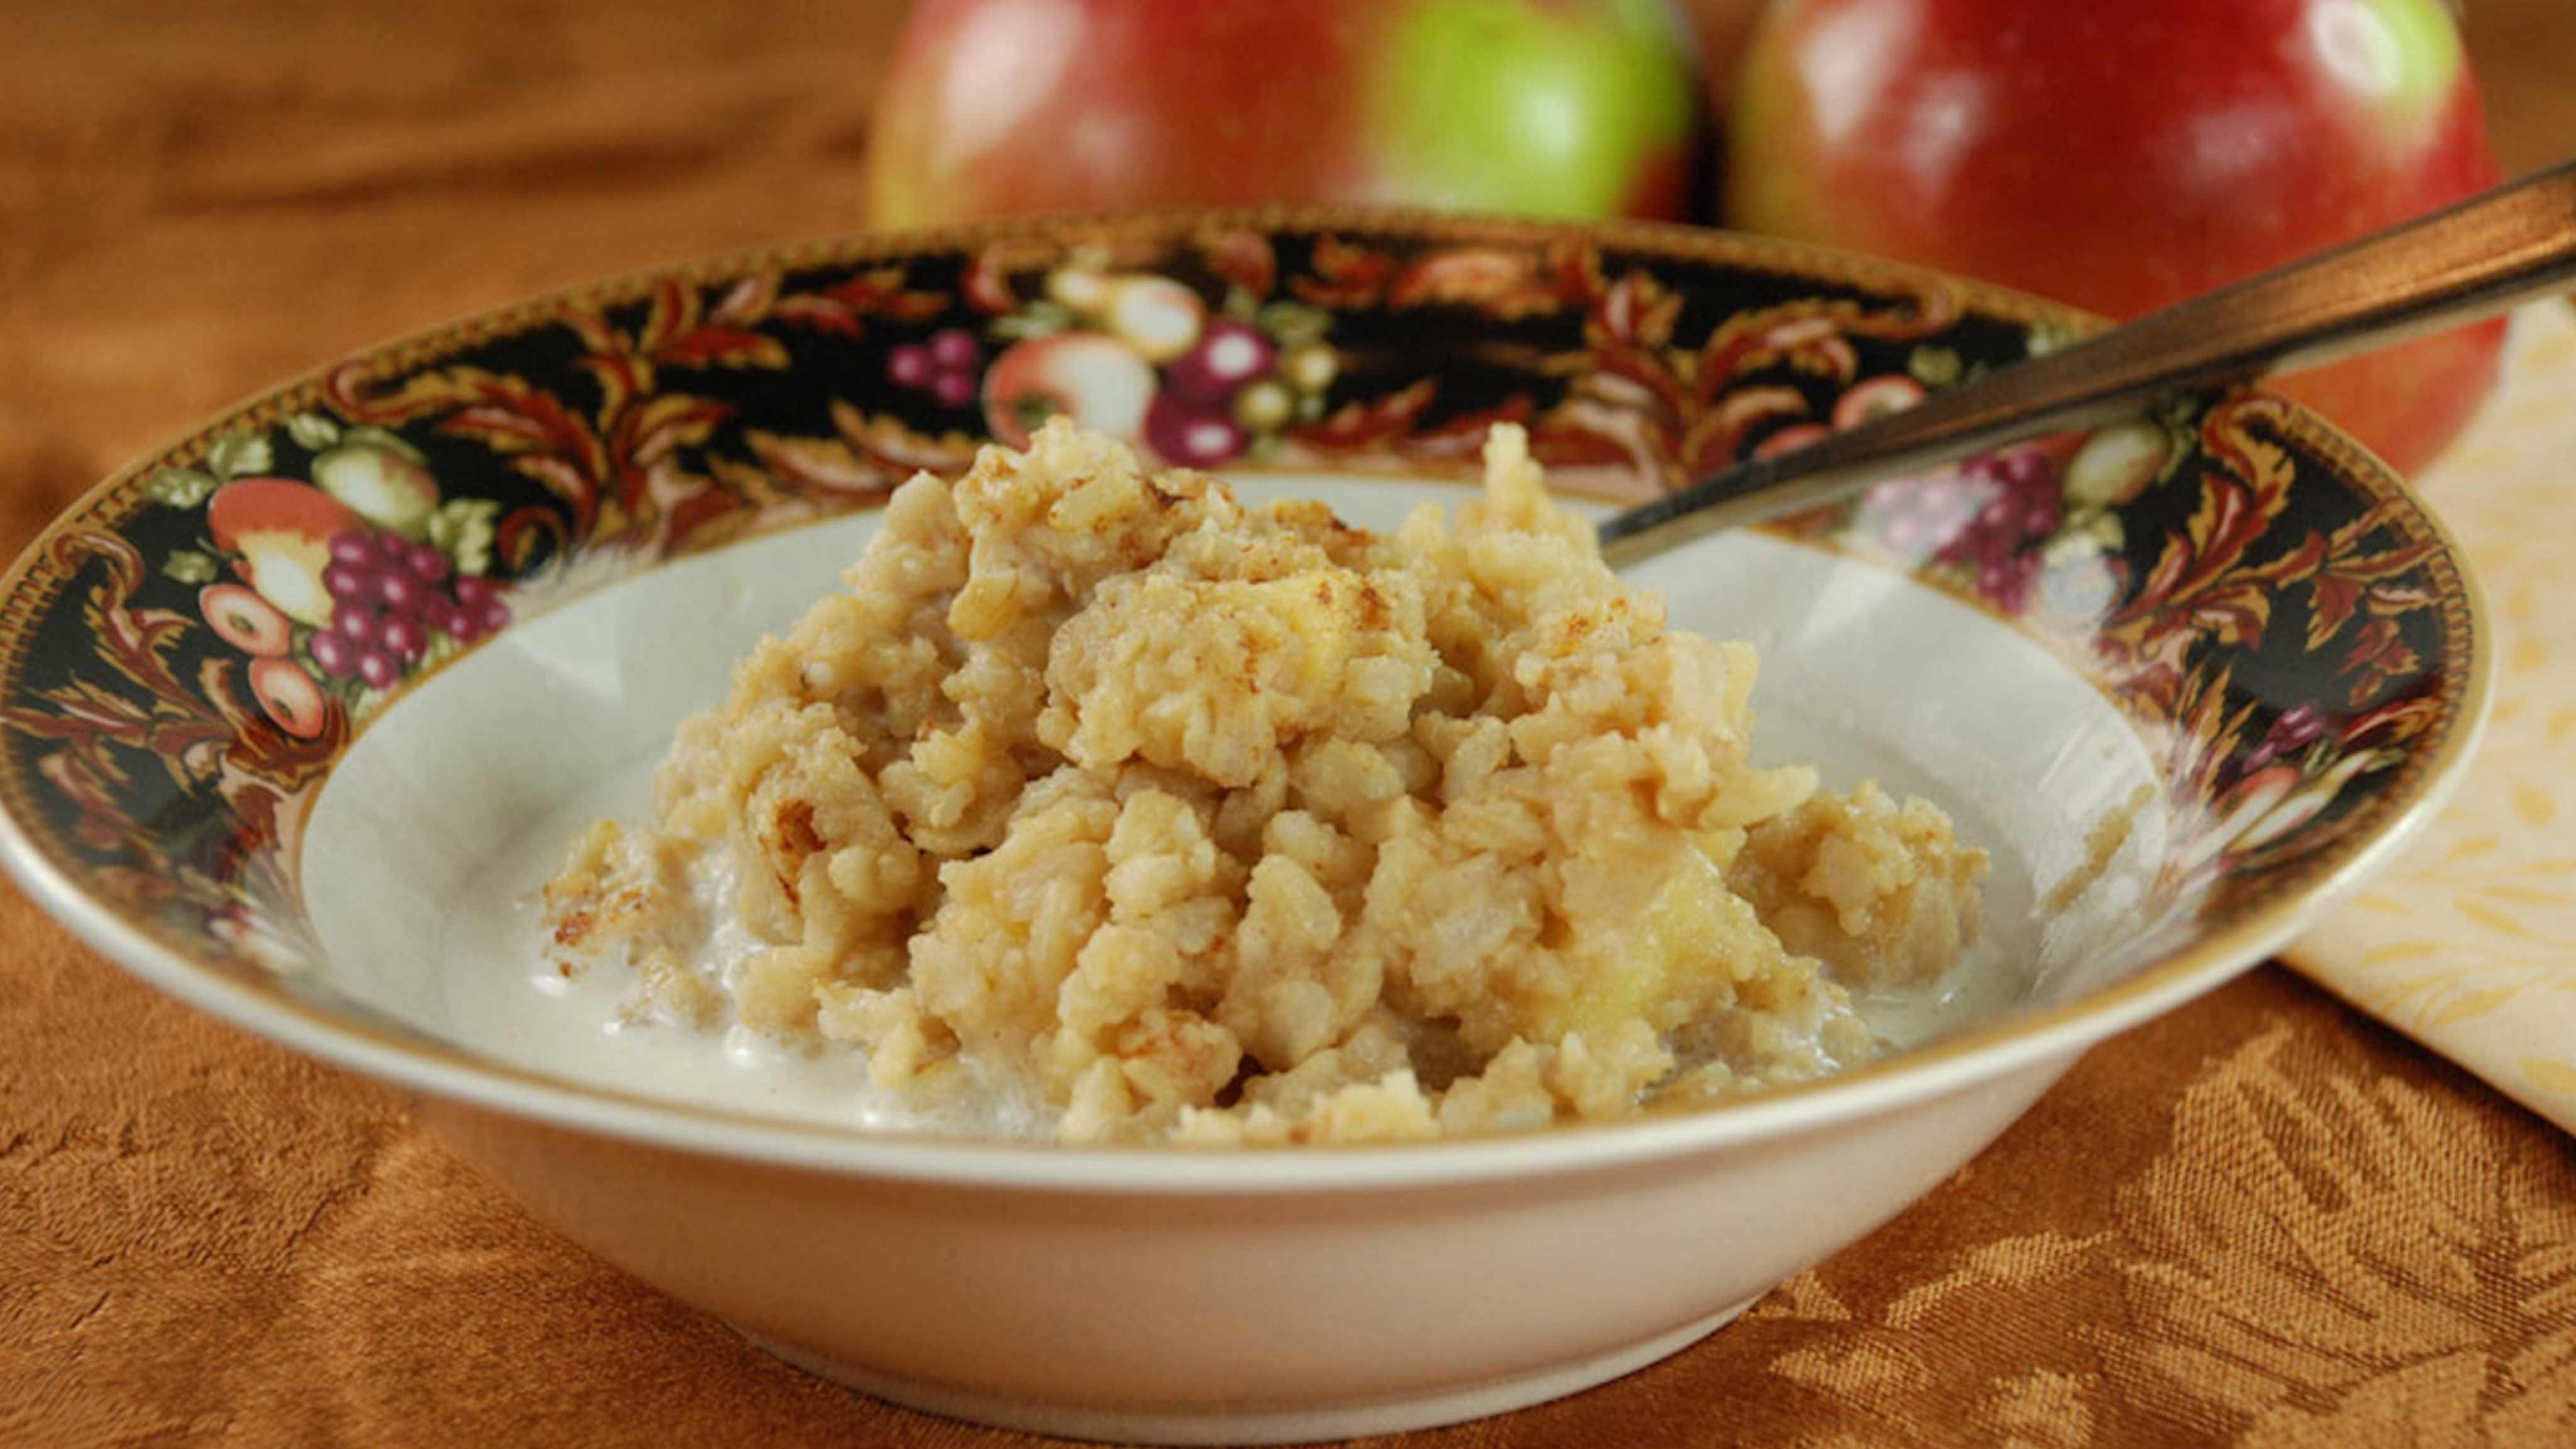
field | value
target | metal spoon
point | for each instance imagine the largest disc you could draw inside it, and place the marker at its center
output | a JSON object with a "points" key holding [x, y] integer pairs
{"points": [[2483, 256]]}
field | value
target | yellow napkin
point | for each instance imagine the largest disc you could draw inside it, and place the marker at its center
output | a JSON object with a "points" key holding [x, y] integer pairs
{"points": [[2467, 942]]}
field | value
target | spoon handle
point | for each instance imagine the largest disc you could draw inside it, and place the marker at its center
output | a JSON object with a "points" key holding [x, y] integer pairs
{"points": [[2474, 259]]}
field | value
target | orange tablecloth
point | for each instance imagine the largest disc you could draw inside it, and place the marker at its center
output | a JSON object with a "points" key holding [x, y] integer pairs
{"points": [[2263, 1216]]}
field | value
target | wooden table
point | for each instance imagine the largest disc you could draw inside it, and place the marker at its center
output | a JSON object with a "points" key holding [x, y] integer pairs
{"points": [[2260, 1213]]}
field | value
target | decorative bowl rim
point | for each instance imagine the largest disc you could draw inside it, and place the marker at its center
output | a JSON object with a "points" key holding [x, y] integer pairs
{"points": [[2026, 1038]]}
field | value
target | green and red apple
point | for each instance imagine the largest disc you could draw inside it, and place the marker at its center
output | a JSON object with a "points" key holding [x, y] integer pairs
{"points": [[1547, 107], [2124, 154]]}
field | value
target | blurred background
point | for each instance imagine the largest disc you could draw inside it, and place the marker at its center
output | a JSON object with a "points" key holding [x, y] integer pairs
{"points": [[199, 199]]}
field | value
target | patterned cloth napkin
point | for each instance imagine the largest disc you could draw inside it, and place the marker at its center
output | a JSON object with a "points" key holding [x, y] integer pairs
{"points": [[2468, 940]]}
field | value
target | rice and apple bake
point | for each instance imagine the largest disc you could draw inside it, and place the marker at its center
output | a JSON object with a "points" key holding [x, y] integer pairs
{"points": [[1218, 825]]}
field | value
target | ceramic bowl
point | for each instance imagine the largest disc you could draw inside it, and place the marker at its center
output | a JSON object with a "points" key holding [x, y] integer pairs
{"points": [[2185, 677]]}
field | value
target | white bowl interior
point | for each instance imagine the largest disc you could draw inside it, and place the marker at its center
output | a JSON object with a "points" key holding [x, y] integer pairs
{"points": [[424, 854]]}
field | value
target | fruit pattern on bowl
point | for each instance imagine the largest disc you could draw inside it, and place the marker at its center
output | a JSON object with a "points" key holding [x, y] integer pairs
{"points": [[340, 587], [193, 647]]}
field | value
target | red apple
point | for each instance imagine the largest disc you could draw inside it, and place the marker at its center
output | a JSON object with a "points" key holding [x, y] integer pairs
{"points": [[2125, 154], [244, 620], [1097, 380], [1557, 107], [289, 696]]}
